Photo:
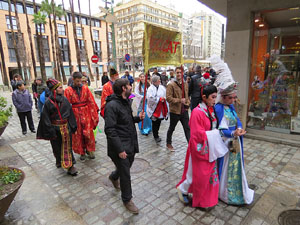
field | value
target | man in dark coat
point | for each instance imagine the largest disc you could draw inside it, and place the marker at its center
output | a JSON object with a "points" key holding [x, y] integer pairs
{"points": [[57, 124], [122, 142], [194, 88], [104, 78]]}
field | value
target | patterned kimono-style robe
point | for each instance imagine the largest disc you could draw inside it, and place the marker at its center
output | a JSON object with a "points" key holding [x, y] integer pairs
{"points": [[203, 150], [233, 182], [86, 113]]}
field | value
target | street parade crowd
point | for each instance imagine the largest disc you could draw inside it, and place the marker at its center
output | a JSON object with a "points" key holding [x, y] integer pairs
{"points": [[214, 164]]}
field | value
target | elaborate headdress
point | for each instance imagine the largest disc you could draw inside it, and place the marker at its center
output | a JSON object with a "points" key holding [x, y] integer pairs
{"points": [[224, 81], [53, 84]]}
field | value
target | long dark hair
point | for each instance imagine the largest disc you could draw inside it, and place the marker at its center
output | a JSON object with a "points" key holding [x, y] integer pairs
{"points": [[207, 90], [140, 83]]}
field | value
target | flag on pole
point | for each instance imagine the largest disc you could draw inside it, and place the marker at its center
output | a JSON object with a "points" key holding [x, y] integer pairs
{"points": [[161, 47]]}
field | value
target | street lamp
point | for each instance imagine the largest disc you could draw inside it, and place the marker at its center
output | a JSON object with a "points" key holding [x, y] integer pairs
{"points": [[109, 18]]}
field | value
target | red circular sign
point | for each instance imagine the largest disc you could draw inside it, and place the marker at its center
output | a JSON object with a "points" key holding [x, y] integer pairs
{"points": [[95, 58]]}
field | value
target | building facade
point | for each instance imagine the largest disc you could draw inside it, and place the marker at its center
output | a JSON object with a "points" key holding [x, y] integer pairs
{"points": [[9, 56], [192, 29], [263, 53], [212, 30], [131, 18]]}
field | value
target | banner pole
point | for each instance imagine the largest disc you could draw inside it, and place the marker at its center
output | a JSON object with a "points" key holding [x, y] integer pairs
{"points": [[182, 81], [145, 92]]}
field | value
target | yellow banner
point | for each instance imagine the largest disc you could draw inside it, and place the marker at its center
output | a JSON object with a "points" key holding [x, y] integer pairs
{"points": [[161, 47]]}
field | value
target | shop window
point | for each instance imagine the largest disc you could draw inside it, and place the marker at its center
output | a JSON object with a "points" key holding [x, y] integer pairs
{"points": [[274, 88]]}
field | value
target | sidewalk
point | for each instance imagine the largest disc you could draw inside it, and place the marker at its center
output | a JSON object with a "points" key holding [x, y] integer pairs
{"points": [[50, 196]]}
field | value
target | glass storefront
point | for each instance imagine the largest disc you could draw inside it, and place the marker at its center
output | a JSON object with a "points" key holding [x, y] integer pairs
{"points": [[274, 91]]}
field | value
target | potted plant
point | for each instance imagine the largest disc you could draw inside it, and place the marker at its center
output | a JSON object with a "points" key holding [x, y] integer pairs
{"points": [[11, 180], [5, 113]]}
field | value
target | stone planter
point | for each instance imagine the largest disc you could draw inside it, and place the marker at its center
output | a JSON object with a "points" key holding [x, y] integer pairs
{"points": [[3, 128], [7, 199]]}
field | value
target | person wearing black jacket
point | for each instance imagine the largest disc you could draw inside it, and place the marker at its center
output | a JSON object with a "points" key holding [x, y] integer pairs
{"points": [[194, 88], [104, 78], [122, 142]]}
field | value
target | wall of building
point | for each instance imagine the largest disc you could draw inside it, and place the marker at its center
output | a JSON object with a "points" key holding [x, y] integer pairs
{"points": [[239, 37], [23, 24]]}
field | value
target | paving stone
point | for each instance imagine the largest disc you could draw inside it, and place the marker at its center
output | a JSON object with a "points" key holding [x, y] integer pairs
{"points": [[235, 220], [92, 198], [208, 219], [218, 222]]}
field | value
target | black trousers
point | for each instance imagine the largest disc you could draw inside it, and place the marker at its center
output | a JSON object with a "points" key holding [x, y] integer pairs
{"points": [[184, 119], [123, 172], [194, 102], [155, 127], [56, 147], [22, 117]]}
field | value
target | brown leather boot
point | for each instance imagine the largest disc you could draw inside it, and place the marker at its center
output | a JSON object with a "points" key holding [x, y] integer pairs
{"points": [[130, 206], [116, 183]]}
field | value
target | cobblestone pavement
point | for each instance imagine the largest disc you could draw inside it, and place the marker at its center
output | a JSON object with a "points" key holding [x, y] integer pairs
{"points": [[50, 196]]}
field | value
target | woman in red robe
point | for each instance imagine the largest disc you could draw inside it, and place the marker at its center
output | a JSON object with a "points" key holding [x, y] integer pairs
{"points": [[86, 113], [200, 177]]}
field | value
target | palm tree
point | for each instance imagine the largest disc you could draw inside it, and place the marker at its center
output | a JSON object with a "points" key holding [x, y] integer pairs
{"points": [[21, 43], [92, 39], [58, 12], [47, 8], [75, 36], [39, 20], [85, 45], [68, 40], [30, 40], [14, 39]]}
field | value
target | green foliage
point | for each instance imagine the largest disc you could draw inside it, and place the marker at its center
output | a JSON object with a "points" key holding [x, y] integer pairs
{"points": [[59, 11], [50, 8], [5, 112], [9, 176], [39, 18]]}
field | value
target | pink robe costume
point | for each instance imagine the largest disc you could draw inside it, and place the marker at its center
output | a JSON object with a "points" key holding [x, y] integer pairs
{"points": [[200, 176]]}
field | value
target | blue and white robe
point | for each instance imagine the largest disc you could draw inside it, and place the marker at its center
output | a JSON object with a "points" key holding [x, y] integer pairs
{"points": [[233, 187]]}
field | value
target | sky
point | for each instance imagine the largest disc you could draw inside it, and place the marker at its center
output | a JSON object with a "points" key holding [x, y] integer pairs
{"points": [[185, 6]]}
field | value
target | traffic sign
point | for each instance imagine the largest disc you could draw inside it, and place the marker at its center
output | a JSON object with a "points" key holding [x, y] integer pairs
{"points": [[127, 57], [95, 58]]}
